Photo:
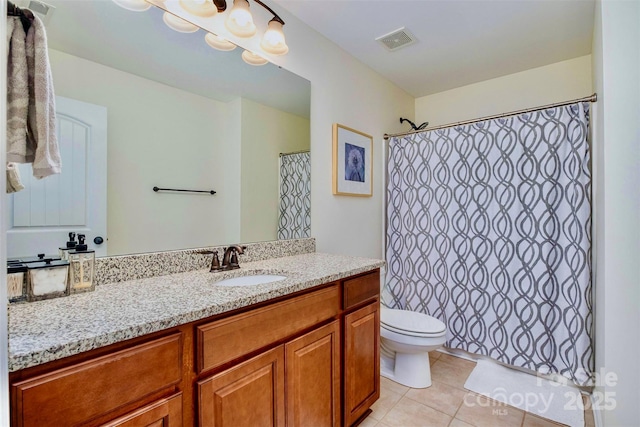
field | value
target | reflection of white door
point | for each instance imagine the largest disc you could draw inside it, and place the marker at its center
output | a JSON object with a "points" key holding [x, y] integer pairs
{"points": [[42, 215]]}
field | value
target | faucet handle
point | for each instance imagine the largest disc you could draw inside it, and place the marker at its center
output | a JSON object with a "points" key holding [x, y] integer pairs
{"points": [[215, 262], [233, 262]]}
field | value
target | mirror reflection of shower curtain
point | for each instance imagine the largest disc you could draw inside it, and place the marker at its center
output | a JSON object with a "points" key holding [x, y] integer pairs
{"points": [[294, 221], [489, 230]]}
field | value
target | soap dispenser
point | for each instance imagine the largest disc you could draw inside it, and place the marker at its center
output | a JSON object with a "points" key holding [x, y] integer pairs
{"points": [[81, 267], [71, 245]]}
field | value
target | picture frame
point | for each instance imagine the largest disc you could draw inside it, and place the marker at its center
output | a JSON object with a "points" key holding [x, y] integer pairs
{"points": [[352, 162]]}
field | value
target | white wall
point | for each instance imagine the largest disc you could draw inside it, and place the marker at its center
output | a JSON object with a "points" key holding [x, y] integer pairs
{"points": [[344, 91], [157, 136], [557, 82], [616, 70], [280, 133]]}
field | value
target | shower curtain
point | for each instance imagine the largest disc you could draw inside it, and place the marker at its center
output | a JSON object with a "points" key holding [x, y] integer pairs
{"points": [[489, 230], [294, 221]]}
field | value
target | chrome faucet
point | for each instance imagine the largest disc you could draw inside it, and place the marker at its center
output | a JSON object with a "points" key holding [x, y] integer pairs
{"points": [[230, 257]]}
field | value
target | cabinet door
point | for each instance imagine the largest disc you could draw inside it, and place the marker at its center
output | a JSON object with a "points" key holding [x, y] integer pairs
{"points": [[250, 394], [163, 413], [361, 361], [313, 378]]}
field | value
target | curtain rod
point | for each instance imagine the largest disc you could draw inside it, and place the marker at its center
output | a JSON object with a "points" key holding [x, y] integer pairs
{"points": [[294, 152], [592, 98]]}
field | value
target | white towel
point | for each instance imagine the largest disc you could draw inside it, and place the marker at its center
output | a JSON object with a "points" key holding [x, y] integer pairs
{"points": [[14, 183], [42, 105], [18, 149]]}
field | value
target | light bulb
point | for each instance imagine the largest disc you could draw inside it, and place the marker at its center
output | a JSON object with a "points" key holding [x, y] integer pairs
{"points": [[252, 58], [240, 21], [203, 8], [218, 42], [178, 24], [133, 5], [273, 39]]}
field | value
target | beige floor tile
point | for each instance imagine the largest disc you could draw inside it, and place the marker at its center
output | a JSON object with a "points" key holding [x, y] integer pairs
{"points": [[368, 422], [457, 361], [533, 421], [433, 356], [393, 386], [440, 396], [589, 420], [409, 413], [483, 412], [388, 400], [455, 374], [459, 423]]}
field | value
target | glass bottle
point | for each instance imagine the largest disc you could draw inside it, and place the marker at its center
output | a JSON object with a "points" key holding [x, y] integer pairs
{"points": [[70, 245], [81, 267]]}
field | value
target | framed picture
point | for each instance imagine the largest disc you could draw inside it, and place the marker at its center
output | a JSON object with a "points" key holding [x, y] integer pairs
{"points": [[352, 158]]}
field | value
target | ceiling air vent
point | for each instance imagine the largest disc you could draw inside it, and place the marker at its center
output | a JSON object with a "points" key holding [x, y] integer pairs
{"points": [[397, 39], [42, 9]]}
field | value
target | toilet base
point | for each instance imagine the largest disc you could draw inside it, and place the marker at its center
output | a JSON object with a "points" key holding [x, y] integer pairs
{"points": [[409, 369]]}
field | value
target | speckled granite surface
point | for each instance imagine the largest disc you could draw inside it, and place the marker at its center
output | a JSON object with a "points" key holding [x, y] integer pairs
{"points": [[43, 331], [139, 266]]}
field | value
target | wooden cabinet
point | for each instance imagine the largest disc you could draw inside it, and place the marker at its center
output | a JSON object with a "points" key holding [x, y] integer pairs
{"points": [[361, 347], [225, 340], [307, 359], [312, 363], [83, 392], [163, 413], [249, 394], [295, 384]]}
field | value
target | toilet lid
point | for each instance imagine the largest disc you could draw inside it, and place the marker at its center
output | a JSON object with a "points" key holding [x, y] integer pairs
{"points": [[411, 323]]}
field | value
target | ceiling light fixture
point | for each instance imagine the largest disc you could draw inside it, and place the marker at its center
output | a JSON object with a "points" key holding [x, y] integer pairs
{"points": [[253, 58], [273, 40], [218, 42], [203, 8], [133, 5], [178, 24], [238, 22]]}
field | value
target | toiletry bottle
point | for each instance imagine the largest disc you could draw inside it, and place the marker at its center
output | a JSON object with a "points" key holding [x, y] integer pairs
{"points": [[82, 267], [71, 244]]}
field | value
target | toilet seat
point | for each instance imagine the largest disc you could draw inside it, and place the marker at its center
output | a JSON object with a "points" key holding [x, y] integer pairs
{"points": [[411, 323]]}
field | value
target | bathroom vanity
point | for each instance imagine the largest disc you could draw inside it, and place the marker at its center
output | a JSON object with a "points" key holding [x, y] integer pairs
{"points": [[179, 350]]}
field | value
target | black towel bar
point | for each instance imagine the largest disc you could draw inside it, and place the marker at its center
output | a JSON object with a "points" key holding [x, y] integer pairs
{"points": [[156, 189]]}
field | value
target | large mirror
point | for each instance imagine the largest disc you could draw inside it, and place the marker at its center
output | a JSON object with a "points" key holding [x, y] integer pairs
{"points": [[174, 113]]}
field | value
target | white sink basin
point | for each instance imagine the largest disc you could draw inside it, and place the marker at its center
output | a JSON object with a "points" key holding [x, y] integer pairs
{"points": [[257, 279]]}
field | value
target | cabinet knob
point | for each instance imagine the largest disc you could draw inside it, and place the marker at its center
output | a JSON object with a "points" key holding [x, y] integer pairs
{"points": [[98, 240]]}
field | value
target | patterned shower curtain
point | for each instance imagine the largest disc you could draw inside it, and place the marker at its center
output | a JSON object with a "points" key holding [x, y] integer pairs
{"points": [[294, 220], [489, 230]]}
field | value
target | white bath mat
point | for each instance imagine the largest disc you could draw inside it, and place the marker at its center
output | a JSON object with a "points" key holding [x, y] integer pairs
{"points": [[541, 397]]}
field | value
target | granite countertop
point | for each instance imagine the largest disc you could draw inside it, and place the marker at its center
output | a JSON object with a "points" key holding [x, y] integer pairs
{"points": [[48, 330]]}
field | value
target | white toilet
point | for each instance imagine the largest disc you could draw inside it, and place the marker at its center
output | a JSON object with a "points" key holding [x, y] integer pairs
{"points": [[406, 338]]}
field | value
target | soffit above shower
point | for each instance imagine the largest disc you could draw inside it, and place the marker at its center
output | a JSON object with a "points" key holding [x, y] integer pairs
{"points": [[460, 41]]}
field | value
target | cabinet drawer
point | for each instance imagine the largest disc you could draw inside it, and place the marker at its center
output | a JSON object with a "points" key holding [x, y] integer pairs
{"points": [[361, 289], [227, 339], [79, 393]]}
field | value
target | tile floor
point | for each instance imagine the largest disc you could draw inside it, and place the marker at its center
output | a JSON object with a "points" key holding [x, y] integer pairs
{"points": [[441, 405]]}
